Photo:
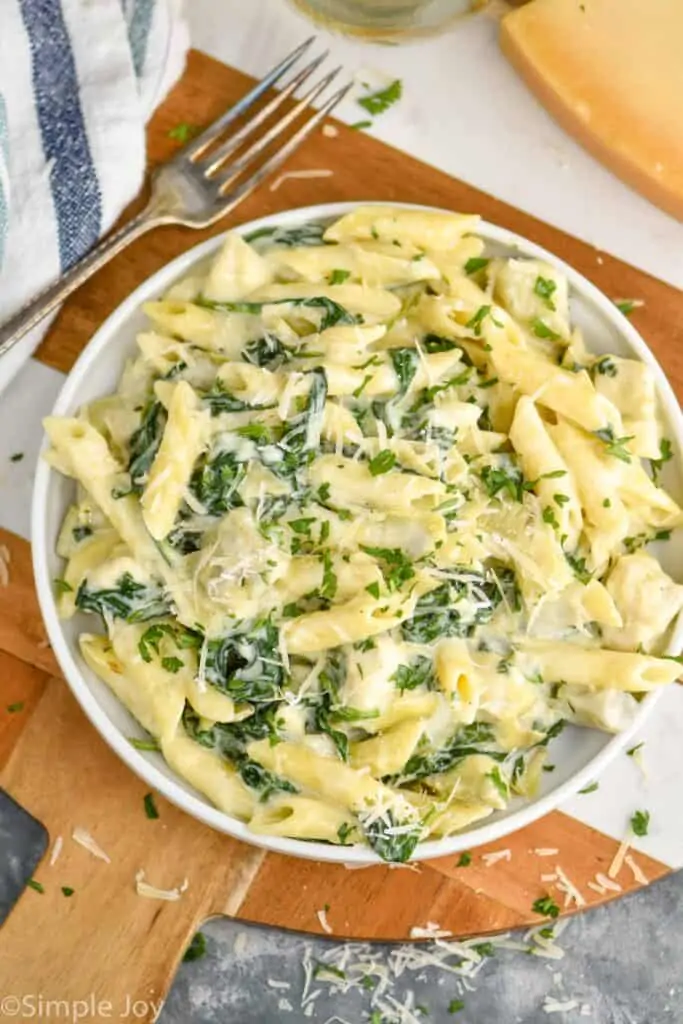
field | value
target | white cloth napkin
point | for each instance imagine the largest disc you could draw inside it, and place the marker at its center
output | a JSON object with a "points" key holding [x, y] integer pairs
{"points": [[78, 81]]}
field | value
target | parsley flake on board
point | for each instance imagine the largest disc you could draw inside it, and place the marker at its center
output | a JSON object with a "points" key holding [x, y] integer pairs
{"points": [[150, 806], [197, 948], [378, 102], [546, 906], [464, 860], [183, 131]]}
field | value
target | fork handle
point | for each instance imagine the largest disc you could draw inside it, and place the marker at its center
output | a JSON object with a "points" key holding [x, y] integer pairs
{"points": [[46, 301]]}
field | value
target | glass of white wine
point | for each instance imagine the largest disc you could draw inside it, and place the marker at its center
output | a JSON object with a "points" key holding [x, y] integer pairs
{"points": [[387, 20]]}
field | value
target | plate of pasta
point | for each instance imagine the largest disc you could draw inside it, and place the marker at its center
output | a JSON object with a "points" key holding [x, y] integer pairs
{"points": [[357, 532]]}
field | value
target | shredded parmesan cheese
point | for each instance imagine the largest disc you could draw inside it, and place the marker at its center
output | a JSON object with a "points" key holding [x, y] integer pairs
{"points": [[330, 131], [571, 893], [637, 872], [430, 931], [618, 862], [84, 839], [324, 923], [552, 1005], [151, 892], [490, 859], [56, 850], [546, 851], [299, 175], [607, 883]]}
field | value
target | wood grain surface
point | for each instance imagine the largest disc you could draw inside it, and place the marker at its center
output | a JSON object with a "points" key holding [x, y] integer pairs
{"points": [[56, 765]]}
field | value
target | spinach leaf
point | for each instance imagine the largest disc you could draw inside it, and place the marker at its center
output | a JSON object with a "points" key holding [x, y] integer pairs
{"points": [[330, 681], [301, 438], [230, 740], [420, 672], [144, 443], [246, 665], [267, 351], [405, 362], [305, 234], [505, 478], [458, 606], [476, 738], [219, 400], [331, 312], [392, 840], [214, 482], [129, 600]]}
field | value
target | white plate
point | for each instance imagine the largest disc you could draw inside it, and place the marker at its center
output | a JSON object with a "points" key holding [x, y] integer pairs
{"points": [[579, 755]]}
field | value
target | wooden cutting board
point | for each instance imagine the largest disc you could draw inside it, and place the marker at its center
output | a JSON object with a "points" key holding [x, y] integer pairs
{"points": [[105, 941]]}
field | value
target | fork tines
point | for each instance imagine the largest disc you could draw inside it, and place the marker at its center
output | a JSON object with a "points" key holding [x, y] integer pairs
{"points": [[209, 153]]}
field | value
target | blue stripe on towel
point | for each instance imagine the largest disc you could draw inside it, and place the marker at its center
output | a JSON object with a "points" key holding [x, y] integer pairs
{"points": [[4, 176], [139, 27], [73, 179]]}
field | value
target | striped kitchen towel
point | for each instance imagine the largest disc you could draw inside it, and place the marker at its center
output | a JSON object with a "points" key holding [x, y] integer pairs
{"points": [[78, 81]]}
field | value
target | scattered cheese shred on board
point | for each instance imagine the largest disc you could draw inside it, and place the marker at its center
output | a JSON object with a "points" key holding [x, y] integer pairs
{"points": [[430, 931], [636, 870], [618, 862], [492, 858], [549, 878], [607, 883], [546, 851], [330, 132], [56, 850], [600, 889], [324, 923], [571, 893], [320, 173], [151, 892], [84, 839]]}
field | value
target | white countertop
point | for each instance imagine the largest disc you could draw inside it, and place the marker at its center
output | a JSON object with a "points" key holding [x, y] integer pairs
{"points": [[467, 112]]}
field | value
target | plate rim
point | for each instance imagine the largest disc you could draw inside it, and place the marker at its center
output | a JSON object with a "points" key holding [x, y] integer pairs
{"points": [[144, 766]]}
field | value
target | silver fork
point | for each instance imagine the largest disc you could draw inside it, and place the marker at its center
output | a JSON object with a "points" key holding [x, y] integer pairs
{"points": [[200, 184]]}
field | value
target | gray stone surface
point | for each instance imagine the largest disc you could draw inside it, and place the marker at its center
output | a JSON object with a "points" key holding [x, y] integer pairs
{"points": [[623, 961]]}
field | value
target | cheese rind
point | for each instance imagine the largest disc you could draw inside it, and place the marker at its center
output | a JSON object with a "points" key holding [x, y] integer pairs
{"points": [[611, 73]]}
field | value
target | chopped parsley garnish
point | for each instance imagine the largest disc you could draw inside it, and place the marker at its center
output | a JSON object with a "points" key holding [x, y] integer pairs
{"points": [[197, 948], [541, 330], [172, 664], [150, 745], [339, 276], [484, 949], [378, 102], [464, 860], [17, 706], [67, 890], [503, 479], [359, 126], [62, 587], [17, 457], [626, 306], [545, 288], [329, 584], [640, 823], [499, 782], [150, 807], [476, 263], [632, 751], [456, 1005], [37, 886], [615, 446], [665, 455], [183, 131], [396, 567], [589, 789], [373, 590], [550, 517], [382, 462], [475, 322], [546, 906]]}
